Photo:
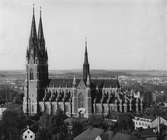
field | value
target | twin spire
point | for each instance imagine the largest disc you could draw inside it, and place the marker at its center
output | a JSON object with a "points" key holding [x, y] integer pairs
{"points": [[40, 28], [33, 34], [37, 46], [36, 49]]}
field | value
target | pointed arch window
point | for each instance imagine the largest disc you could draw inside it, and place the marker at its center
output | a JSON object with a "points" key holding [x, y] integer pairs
{"points": [[31, 74], [80, 100]]}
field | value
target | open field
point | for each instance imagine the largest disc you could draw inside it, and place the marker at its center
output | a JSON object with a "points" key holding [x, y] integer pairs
{"points": [[20, 74]]}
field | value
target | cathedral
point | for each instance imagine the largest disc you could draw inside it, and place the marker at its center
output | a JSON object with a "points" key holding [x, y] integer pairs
{"points": [[75, 97]]}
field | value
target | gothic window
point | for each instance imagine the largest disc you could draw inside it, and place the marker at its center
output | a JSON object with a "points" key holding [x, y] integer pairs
{"points": [[32, 108], [38, 75], [31, 75], [80, 100]]}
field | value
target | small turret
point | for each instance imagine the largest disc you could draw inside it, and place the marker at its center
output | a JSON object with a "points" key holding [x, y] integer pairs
{"points": [[74, 81], [88, 81]]}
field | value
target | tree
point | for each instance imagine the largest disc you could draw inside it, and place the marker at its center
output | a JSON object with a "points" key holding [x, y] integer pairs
{"points": [[18, 99], [57, 125], [60, 113], [43, 134], [155, 110], [125, 122], [95, 121], [53, 125], [11, 125], [44, 121], [77, 128]]}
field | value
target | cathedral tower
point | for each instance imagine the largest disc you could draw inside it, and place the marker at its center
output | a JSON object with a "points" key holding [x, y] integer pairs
{"points": [[42, 55], [86, 71], [36, 69]]}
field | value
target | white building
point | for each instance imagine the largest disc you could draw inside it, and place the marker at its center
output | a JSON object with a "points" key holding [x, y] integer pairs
{"points": [[145, 123], [28, 135], [140, 122], [2, 109]]}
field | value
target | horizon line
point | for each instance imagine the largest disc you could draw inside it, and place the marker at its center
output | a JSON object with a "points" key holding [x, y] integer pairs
{"points": [[75, 69]]}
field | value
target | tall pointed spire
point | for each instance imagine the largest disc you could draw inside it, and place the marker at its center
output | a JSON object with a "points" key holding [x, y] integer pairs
{"points": [[33, 44], [86, 64], [86, 53], [40, 28], [33, 34], [41, 41]]}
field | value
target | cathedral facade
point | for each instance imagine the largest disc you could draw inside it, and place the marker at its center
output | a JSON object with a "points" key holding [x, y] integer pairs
{"points": [[76, 97]]}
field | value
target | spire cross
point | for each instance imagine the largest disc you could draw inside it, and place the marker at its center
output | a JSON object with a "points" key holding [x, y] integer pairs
{"points": [[33, 8], [40, 11], [85, 41]]}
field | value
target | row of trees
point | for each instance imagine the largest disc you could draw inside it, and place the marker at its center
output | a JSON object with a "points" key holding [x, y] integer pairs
{"points": [[7, 94], [51, 127], [156, 110], [46, 127], [11, 125]]}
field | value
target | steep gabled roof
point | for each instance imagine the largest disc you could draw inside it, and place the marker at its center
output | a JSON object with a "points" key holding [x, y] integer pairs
{"points": [[90, 134], [122, 136], [145, 133], [64, 82], [108, 135]]}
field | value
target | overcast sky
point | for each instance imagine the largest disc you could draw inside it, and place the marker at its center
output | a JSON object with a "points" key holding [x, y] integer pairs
{"points": [[121, 34]]}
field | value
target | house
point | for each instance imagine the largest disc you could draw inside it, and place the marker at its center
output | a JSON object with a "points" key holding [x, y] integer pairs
{"points": [[28, 134], [157, 122], [2, 109], [142, 122], [149, 122]]}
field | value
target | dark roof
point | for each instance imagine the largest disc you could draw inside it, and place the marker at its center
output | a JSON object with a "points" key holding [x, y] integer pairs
{"points": [[122, 136], [62, 82], [145, 133], [90, 134], [165, 138], [106, 83], [108, 135]]}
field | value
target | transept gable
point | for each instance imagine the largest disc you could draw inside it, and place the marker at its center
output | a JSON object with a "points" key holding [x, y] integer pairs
{"points": [[81, 85]]}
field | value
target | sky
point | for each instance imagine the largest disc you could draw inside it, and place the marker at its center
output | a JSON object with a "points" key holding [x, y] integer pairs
{"points": [[121, 34]]}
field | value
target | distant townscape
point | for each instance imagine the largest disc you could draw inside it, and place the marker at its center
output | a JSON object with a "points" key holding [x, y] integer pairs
{"points": [[38, 104]]}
